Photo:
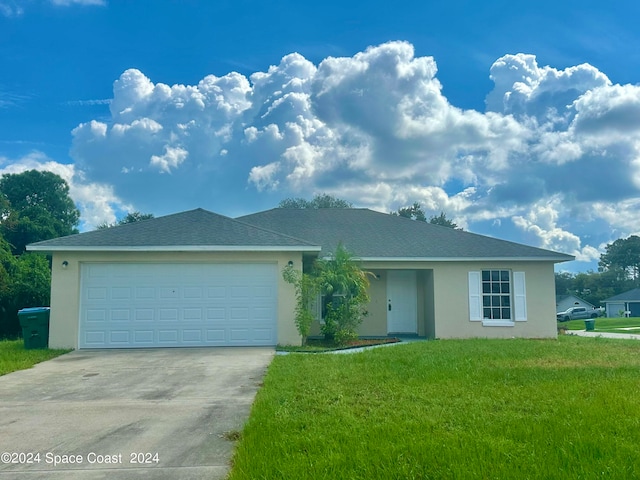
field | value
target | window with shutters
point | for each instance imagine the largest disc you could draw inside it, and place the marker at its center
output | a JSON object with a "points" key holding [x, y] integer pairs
{"points": [[496, 295]]}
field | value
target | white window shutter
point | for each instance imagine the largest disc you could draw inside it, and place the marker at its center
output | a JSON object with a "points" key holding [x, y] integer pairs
{"points": [[475, 296], [519, 297]]}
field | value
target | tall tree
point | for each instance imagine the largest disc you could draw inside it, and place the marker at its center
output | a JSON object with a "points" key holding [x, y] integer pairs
{"points": [[322, 200], [414, 212], [36, 206], [623, 256], [443, 221], [131, 217]]}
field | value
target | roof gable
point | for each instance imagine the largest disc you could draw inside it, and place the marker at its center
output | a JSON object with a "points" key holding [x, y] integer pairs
{"points": [[374, 235], [195, 229]]}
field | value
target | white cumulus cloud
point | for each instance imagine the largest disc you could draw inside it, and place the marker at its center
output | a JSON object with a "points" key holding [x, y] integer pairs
{"points": [[375, 128]]}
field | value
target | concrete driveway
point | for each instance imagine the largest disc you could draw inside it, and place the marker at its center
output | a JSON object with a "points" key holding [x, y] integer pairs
{"points": [[127, 414]]}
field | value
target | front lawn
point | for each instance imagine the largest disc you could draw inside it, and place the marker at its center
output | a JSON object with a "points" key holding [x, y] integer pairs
{"points": [[468, 409], [603, 324], [14, 357]]}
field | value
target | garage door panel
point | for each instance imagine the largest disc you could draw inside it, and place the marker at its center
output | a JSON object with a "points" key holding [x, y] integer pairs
{"points": [[143, 315], [119, 337], [96, 315], [168, 336], [95, 338], [118, 315], [97, 293], [192, 314], [145, 293], [143, 305], [168, 314], [193, 293]]}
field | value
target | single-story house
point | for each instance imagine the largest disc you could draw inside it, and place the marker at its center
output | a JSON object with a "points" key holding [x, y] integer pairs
{"points": [[198, 278], [623, 302], [565, 302]]}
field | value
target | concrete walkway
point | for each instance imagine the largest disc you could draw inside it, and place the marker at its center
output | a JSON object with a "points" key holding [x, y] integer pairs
{"points": [[584, 333], [157, 414]]}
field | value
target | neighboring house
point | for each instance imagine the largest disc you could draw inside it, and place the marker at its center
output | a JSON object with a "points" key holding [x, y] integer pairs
{"points": [[197, 279], [623, 302], [564, 302]]}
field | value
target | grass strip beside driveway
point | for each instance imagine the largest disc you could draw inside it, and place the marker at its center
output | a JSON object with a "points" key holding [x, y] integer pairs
{"points": [[13, 356], [497, 409], [604, 324]]}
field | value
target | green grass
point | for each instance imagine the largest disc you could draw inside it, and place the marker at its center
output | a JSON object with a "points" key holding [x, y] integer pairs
{"points": [[614, 324], [14, 357], [454, 409]]}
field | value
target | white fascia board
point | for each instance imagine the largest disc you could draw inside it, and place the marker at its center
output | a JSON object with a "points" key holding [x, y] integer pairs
{"points": [[462, 259], [179, 248]]}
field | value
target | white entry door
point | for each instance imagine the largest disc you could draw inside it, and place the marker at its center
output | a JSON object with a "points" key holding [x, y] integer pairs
{"points": [[402, 301], [129, 305]]}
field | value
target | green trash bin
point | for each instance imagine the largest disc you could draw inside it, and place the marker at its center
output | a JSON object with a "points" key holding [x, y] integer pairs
{"points": [[590, 325], [35, 327]]}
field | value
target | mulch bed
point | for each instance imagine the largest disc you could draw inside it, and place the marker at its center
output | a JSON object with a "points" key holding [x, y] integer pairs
{"points": [[361, 342]]}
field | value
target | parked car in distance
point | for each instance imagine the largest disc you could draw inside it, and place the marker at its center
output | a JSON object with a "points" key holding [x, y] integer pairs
{"points": [[576, 313]]}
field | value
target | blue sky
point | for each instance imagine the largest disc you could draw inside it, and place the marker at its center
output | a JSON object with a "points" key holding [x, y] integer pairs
{"points": [[520, 120]]}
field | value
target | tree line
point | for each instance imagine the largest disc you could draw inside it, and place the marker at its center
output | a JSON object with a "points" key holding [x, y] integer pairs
{"points": [[34, 206], [618, 272], [323, 200]]}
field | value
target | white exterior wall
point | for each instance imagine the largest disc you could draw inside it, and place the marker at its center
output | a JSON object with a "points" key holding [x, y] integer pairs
{"points": [[443, 300]]}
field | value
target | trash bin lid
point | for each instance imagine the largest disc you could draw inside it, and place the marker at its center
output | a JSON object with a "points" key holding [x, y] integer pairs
{"points": [[34, 309]]}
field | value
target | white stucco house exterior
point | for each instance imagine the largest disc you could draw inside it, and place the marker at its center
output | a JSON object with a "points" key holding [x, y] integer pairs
{"points": [[197, 278]]}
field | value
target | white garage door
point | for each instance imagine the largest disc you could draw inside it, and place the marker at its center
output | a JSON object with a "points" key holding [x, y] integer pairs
{"points": [[175, 305]]}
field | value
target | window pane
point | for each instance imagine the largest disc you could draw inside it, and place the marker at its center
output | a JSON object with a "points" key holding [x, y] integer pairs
{"points": [[486, 301], [486, 288], [495, 313], [495, 288], [506, 313], [504, 287], [486, 276], [504, 275], [495, 275], [506, 301]]}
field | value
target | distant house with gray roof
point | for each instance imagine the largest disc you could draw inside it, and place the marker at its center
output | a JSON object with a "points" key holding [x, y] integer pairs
{"points": [[629, 301], [564, 302]]}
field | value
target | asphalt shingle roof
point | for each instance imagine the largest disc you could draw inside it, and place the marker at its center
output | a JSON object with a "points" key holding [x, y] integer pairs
{"points": [[194, 228], [630, 296], [370, 234]]}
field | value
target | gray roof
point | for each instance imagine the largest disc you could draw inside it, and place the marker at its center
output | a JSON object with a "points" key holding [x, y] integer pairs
{"points": [[630, 296], [370, 235], [196, 229]]}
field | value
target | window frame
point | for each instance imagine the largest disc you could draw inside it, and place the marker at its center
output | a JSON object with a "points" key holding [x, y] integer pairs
{"points": [[517, 297]]}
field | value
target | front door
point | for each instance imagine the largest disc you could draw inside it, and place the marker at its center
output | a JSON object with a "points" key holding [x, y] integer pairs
{"points": [[402, 301]]}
